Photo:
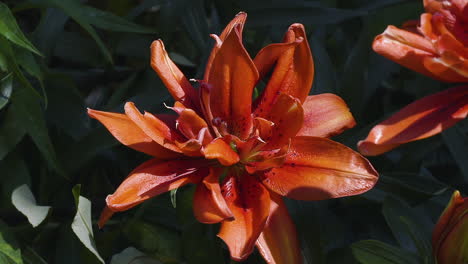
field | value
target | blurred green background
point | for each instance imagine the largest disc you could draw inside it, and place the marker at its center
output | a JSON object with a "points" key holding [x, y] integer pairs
{"points": [[58, 57]]}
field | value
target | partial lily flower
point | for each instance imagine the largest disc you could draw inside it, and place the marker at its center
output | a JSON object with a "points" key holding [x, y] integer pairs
{"points": [[243, 154], [450, 235], [436, 46]]}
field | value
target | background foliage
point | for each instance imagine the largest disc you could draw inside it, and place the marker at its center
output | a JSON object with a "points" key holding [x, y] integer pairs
{"points": [[58, 57]]}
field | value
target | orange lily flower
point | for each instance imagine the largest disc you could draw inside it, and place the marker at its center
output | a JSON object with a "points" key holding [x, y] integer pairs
{"points": [[436, 46], [450, 235], [243, 154]]}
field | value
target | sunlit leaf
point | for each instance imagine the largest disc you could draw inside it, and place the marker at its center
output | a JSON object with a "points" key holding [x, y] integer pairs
{"points": [[23, 199], [12, 65], [9, 248], [10, 29], [81, 225]]}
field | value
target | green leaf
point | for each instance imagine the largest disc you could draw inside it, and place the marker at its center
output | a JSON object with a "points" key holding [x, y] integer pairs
{"points": [[195, 22], [50, 27], [31, 257], [87, 148], [457, 142], [373, 251], [163, 243], [325, 75], [81, 224], [411, 187], [180, 59], [287, 13], [10, 30], [353, 81], [8, 245], [174, 197], [6, 87], [65, 104], [23, 199], [132, 255], [29, 112], [108, 21], [86, 16], [11, 131], [15, 174], [405, 224], [9, 60]]}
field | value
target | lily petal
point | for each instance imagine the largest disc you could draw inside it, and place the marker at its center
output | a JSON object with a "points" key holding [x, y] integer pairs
{"points": [[232, 78], [414, 52], [190, 123], [218, 149], [278, 242], [106, 214], [325, 115], [153, 178], [175, 81], [287, 115], [269, 55], [249, 201], [237, 21], [420, 119], [155, 128], [318, 168], [129, 134], [209, 206], [293, 73]]}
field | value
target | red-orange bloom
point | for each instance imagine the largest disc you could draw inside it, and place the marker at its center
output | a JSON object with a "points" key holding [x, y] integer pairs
{"points": [[450, 235], [436, 46], [261, 149]]}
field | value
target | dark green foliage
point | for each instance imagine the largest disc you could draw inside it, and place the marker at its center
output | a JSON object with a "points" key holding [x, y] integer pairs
{"points": [[59, 57]]}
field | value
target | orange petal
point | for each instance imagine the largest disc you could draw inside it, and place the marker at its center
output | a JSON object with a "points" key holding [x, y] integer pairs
{"points": [[190, 123], [454, 248], [249, 201], [421, 119], [278, 242], [269, 55], [106, 214], [287, 115], [414, 52], [237, 21], [129, 134], [179, 87], [447, 215], [293, 73], [232, 79], [209, 206], [155, 128], [191, 148], [153, 178], [218, 149], [449, 238], [325, 115], [318, 168]]}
